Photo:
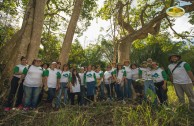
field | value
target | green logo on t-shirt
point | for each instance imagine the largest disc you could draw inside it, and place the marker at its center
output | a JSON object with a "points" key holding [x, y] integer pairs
{"points": [[89, 75], [65, 75], [156, 75]]}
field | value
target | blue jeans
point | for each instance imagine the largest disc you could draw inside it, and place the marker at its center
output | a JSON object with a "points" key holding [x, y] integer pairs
{"points": [[31, 95], [108, 88], [91, 88], [101, 90], [149, 84], [119, 91], [51, 94], [127, 88], [63, 89], [83, 95]]}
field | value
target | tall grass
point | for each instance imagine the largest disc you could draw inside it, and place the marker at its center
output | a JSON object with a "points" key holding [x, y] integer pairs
{"points": [[107, 114]]}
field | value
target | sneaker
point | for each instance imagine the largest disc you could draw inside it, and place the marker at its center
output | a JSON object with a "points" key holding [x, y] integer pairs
{"points": [[7, 109], [20, 107]]}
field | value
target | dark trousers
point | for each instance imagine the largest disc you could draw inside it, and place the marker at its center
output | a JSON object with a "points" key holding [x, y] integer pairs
{"points": [[40, 96], [51, 94], [112, 86], [108, 89], [90, 98], [83, 95], [161, 93], [12, 93], [119, 91], [73, 98]]}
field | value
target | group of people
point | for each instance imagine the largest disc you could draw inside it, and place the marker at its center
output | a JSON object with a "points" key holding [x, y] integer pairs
{"points": [[90, 84]]}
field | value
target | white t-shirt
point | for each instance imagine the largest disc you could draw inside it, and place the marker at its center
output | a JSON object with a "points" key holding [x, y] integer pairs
{"points": [[157, 75], [21, 68], [128, 72], [52, 78], [65, 76], [180, 75], [107, 77], [135, 74], [33, 77], [146, 73], [76, 87], [120, 75], [90, 76]]}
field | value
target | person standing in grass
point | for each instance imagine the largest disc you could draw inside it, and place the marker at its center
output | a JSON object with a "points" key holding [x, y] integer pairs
{"points": [[146, 75], [34, 78], [17, 72], [119, 76], [135, 75], [113, 81], [100, 85], [75, 87], [52, 78], [107, 81], [182, 79], [160, 81], [90, 82], [64, 84], [128, 82], [83, 91]]}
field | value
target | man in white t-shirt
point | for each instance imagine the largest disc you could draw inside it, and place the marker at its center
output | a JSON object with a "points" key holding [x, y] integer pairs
{"points": [[182, 78]]}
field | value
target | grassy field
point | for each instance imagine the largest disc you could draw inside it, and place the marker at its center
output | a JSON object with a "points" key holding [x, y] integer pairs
{"points": [[105, 114]]}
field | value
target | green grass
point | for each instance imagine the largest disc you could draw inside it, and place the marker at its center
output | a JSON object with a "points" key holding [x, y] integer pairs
{"points": [[106, 114]]}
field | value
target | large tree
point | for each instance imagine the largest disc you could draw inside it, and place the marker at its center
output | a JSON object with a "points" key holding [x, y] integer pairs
{"points": [[137, 22], [66, 47], [26, 41]]}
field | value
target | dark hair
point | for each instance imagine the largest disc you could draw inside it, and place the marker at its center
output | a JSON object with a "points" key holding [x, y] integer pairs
{"points": [[134, 65], [45, 64], [118, 69], [65, 65], [74, 77], [23, 57], [59, 63], [33, 62]]}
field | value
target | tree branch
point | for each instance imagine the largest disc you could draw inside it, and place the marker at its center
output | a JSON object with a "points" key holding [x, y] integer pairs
{"points": [[182, 36], [120, 19]]}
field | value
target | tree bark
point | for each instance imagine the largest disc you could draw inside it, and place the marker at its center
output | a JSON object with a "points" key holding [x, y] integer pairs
{"points": [[152, 27], [66, 47], [26, 38], [124, 51]]}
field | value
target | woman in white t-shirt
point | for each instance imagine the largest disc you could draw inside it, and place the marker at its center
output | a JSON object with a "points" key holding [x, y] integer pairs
{"points": [[107, 81], [83, 91], [75, 87], [119, 76], [52, 82], [64, 82], [90, 82], [17, 72], [34, 78]]}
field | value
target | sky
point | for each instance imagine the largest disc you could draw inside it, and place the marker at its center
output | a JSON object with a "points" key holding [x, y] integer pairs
{"points": [[97, 24]]}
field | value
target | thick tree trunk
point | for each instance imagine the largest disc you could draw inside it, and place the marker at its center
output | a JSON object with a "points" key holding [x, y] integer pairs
{"points": [[66, 47], [124, 51], [26, 38]]}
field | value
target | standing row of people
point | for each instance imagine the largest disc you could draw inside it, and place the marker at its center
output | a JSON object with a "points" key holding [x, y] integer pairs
{"points": [[119, 81]]}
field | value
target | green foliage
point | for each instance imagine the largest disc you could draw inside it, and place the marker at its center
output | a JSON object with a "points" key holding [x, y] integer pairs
{"points": [[6, 33], [77, 54], [156, 47], [51, 48], [106, 114]]}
